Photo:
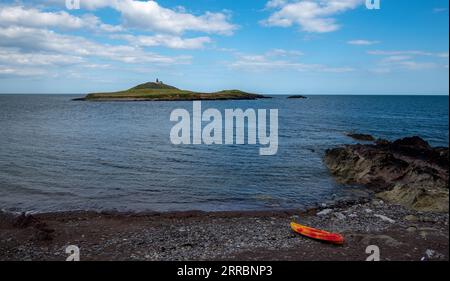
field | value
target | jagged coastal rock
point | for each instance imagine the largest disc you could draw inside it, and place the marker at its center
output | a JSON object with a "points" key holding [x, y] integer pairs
{"points": [[407, 172], [158, 91], [361, 137]]}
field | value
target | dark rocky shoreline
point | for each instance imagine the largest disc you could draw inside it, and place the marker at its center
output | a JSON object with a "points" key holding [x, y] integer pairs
{"points": [[407, 171]]}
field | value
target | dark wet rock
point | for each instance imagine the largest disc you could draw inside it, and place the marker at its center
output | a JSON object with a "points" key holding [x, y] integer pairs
{"points": [[416, 143], [408, 171], [361, 137], [297, 97], [382, 142], [24, 220], [41, 231]]}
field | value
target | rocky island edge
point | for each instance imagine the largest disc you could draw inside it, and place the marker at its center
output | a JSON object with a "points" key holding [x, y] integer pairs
{"points": [[158, 91]]}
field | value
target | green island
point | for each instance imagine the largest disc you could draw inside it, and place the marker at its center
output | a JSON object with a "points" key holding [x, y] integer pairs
{"points": [[158, 91]]}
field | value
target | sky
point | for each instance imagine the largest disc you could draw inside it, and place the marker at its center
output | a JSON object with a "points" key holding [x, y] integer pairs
{"points": [[262, 46]]}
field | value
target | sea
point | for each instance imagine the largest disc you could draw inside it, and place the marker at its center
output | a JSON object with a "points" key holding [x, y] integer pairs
{"points": [[62, 155]]}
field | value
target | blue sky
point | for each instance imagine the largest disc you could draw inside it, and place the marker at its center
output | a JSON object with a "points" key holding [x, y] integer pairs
{"points": [[270, 47]]}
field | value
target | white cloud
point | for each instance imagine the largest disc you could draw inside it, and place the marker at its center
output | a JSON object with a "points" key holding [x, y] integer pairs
{"points": [[94, 23], [310, 15], [14, 62], [97, 66], [284, 53], [19, 16], [400, 53], [137, 14], [13, 56], [170, 41], [414, 65], [275, 3], [277, 60], [6, 70], [96, 4], [361, 42], [406, 60], [86, 4], [149, 15], [31, 17], [440, 10], [408, 53], [37, 44], [33, 39], [396, 58]]}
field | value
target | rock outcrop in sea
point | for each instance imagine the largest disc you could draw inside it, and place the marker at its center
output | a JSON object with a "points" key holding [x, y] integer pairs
{"points": [[408, 172], [297, 97], [361, 137]]}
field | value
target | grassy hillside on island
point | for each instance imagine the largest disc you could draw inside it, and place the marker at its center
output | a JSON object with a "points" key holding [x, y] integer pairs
{"points": [[158, 91]]}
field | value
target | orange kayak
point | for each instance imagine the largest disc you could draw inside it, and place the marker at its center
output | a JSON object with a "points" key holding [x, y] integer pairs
{"points": [[318, 234]]}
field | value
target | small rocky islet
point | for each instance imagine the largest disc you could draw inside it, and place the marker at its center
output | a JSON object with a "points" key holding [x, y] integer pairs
{"points": [[297, 97]]}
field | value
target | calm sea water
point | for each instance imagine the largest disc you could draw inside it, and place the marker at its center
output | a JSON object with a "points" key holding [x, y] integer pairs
{"points": [[56, 154]]}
